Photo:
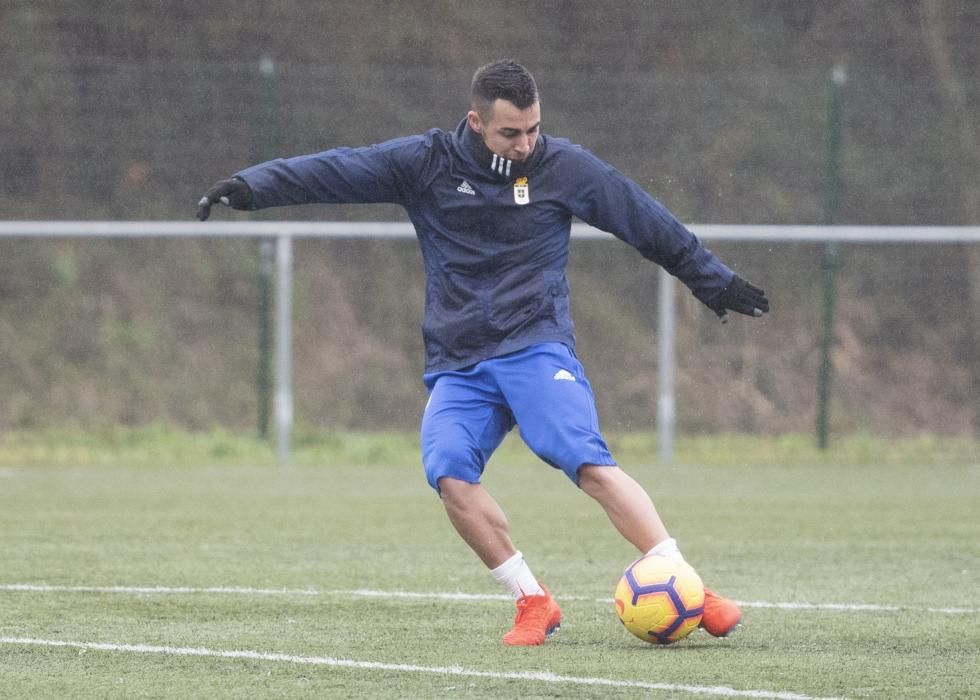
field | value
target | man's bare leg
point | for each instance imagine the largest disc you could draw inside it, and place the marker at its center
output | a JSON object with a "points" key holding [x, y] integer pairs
{"points": [[627, 504], [483, 526], [478, 520], [631, 510]]}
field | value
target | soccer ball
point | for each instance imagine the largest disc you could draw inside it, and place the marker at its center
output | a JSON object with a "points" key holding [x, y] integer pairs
{"points": [[660, 600]]}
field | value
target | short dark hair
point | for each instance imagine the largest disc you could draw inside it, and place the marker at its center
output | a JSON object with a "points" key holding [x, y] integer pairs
{"points": [[504, 80]]}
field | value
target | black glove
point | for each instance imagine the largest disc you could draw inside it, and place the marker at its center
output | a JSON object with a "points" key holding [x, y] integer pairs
{"points": [[743, 297], [234, 193]]}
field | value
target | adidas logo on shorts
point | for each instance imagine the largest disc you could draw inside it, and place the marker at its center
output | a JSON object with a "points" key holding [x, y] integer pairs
{"points": [[465, 188], [564, 375]]}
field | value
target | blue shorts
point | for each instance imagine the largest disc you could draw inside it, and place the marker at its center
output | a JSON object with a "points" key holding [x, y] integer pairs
{"points": [[542, 389]]}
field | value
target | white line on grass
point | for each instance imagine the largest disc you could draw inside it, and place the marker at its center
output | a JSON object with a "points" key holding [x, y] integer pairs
{"points": [[853, 607], [166, 590], [435, 595], [536, 676], [849, 607]]}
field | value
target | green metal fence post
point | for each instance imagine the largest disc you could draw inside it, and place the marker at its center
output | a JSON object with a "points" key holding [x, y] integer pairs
{"points": [[831, 253], [266, 142]]}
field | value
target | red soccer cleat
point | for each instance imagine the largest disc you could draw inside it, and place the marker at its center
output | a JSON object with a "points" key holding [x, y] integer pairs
{"points": [[538, 616], [721, 615]]}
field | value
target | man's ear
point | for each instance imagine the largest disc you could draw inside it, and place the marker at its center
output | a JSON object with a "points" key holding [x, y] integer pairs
{"points": [[473, 119]]}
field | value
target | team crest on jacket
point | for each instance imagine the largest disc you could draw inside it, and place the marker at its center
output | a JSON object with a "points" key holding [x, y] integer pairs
{"points": [[522, 193]]}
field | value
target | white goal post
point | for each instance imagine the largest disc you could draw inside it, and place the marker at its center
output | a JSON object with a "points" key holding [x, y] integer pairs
{"points": [[284, 232]]}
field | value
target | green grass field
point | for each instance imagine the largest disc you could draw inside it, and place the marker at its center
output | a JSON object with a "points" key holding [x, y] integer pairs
{"points": [[135, 566]]}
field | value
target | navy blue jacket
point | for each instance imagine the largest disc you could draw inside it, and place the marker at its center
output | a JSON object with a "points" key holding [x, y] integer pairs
{"points": [[494, 233]]}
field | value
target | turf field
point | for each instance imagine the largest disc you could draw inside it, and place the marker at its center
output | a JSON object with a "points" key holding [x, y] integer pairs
{"points": [[146, 576]]}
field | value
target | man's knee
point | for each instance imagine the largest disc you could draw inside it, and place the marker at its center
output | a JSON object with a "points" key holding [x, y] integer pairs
{"points": [[596, 479], [453, 489]]}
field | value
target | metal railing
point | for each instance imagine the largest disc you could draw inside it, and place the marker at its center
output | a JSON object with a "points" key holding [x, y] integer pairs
{"points": [[283, 234]]}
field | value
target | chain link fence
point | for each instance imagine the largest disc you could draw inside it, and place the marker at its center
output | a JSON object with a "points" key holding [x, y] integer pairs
{"points": [[129, 110]]}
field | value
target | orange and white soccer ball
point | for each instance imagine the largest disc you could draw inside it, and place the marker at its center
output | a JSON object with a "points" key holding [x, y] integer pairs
{"points": [[660, 600]]}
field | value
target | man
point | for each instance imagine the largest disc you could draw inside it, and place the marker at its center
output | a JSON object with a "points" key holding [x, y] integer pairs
{"points": [[492, 204]]}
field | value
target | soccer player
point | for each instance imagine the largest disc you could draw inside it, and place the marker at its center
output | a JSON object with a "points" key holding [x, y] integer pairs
{"points": [[492, 203]]}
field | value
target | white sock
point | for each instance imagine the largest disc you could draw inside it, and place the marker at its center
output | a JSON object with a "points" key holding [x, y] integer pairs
{"points": [[516, 576], [668, 548]]}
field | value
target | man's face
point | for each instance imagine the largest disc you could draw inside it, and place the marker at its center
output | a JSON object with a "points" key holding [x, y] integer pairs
{"points": [[509, 132]]}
